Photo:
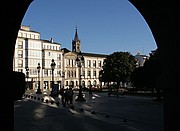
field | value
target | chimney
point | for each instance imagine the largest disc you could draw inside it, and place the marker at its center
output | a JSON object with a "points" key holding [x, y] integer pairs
{"points": [[51, 40]]}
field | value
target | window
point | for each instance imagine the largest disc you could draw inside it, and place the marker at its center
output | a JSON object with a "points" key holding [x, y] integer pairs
{"points": [[100, 65], [58, 65], [33, 71], [83, 84], [32, 36], [66, 83], [68, 74], [20, 54], [89, 63], [74, 73], [59, 72], [94, 83], [20, 45], [89, 83], [20, 63], [94, 63], [45, 72], [72, 62], [94, 74], [59, 57], [83, 73], [20, 70], [69, 62], [25, 35], [89, 73], [71, 74]]}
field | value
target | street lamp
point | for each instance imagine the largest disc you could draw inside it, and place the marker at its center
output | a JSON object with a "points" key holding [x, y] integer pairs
{"points": [[27, 75], [63, 75], [53, 64], [80, 62], [38, 90]]}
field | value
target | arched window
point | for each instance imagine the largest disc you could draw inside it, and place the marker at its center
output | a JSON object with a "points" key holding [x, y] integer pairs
{"points": [[83, 84], [94, 83], [89, 83]]}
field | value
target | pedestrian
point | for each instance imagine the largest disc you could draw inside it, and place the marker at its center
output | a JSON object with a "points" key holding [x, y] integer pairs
{"points": [[66, 96], [70, 95], [90, 92], [109, 92], [61, 92]]}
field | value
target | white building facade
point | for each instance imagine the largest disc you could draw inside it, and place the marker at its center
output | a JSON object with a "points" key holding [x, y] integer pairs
{"points": [[89, 71], [31, 50], [141, 59]]}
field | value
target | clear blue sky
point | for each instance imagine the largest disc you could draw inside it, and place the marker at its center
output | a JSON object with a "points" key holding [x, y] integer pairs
{"points": [[104, 26]]}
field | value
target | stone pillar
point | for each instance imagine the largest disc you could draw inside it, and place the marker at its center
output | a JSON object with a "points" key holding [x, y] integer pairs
{"points": [[163, 19], [11, 15]]}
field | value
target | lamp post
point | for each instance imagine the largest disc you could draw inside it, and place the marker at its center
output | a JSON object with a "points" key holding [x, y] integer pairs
{"points": [[27, 75], [38, 90], [80, 62], [63, 75], [53, 64]]}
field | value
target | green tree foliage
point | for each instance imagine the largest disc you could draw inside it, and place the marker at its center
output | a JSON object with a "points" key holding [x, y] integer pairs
{"points": [[148, 75], [138, 77], [152, 69], [118, 67]]}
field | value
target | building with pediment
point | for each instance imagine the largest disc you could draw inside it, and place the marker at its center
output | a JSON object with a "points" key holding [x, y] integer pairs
{"points": [[31, 50], [89, 71]]}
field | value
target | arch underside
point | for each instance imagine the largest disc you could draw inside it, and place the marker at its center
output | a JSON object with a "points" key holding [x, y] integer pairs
{"points": [[162, 17]]}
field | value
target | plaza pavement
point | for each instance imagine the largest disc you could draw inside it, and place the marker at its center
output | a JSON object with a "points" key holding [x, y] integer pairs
{"points": [[99, 113]]}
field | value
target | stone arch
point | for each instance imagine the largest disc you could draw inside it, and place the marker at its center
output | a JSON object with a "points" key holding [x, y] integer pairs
{"points": [[162, 18]]}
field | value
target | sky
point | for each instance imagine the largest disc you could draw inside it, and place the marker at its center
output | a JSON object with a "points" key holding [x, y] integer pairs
{"points": [[104, 26]]}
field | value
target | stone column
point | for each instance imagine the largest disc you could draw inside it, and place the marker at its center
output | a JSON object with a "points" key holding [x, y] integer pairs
{"points": [[163, 19]]}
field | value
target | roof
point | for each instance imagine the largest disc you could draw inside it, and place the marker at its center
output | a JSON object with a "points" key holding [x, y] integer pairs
{"points": [[27, 29], [65, 50], [76, 38], [94, 54], [48, 41]]}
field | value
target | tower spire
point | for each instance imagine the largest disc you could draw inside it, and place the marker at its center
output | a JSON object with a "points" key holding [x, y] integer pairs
{"points": [[76, 42], [76, 38]]}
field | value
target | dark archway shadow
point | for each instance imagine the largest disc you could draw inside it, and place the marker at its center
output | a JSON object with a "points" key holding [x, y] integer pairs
{"points": [[12, 13], [162, 18]]}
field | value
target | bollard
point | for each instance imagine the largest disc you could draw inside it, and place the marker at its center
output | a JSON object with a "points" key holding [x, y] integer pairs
{"points": [[57, 103], [42, 99], [93, 112], [81, 109], [107, 116]]}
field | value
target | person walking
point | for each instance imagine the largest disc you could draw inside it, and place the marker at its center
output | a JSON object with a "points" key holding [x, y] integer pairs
{"points": [[66, 96], [70, 95], [90, 91], [62, 95]]}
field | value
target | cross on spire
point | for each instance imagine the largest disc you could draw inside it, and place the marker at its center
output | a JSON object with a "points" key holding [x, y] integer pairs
{"points": [[76, 38]]}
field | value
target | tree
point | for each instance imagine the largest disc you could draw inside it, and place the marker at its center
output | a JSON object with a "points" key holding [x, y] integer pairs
{"points": [[138, 77], [153, 71], [118, 67]]}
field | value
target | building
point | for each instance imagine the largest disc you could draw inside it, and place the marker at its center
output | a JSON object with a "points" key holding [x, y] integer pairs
{"points": [[30, 51], [89, 71], [141, 59]]}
